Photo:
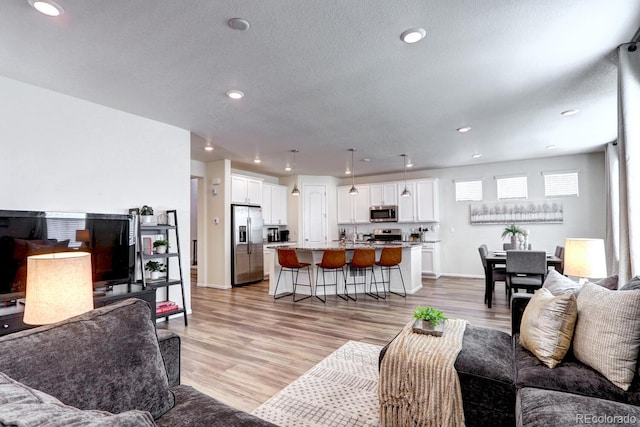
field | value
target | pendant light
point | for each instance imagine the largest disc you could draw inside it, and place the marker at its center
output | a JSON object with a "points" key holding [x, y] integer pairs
{"points": [[295, 191], [353, 191], [405, 192]]}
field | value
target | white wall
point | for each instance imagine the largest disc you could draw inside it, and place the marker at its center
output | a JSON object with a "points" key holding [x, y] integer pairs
{"points": [[60, 153], [584, 216]]}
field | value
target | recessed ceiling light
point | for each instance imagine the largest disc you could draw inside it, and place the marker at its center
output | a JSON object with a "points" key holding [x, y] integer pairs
{"points": [[476, 156], [464, 129], [48, 7], [550, 147], [257, 160], [366, 160], [413, 35], [347, 171], [287, 167], [208, 147], [239, 24], [409, 162], [235, 94], [570, 112]]}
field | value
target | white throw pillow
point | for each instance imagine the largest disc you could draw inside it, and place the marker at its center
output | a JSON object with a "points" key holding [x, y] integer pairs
{"points": [[558, 284]]}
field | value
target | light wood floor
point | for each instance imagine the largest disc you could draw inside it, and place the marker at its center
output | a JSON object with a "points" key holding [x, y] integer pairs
{"points": [[242, 347]]}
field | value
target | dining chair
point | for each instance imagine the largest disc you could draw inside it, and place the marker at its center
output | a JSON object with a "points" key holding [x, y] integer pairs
{"points": [[499, 272], [560, 254], [526, 270]]}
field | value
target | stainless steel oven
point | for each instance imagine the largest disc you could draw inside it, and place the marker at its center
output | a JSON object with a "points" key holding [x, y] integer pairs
{"points": [[383, 214]]}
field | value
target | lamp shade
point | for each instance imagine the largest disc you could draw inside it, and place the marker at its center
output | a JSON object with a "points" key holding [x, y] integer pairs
{"points": [[59, 286], [584, 258]]}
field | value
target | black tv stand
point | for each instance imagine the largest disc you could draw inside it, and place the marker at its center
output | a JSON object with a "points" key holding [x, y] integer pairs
{"points": [[11, 316]]}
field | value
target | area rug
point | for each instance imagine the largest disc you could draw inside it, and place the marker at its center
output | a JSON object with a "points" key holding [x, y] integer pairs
{"points": [[341, 390]]}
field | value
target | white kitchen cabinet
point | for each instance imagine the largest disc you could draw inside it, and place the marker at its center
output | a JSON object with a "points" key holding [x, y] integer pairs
{"points": [[274, 204], [427, 200], [407, 205], [383, 194], [431, 259], [267, 257], [353, 209], [246, 189]]}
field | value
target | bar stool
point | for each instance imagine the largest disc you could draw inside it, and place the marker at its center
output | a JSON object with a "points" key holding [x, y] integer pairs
{"points": [[332, 260], [363, 260], [390, 259], [288, 260]]}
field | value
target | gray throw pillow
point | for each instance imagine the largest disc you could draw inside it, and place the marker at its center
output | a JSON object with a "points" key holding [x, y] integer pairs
{"points": [[23, 406], [107, 359], [610, 282], [632, 284]]}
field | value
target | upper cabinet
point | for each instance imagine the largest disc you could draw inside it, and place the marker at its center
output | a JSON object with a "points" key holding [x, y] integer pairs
{"points": [[246, 189], [427, 203], [422, 205], [353, 209], [383, 194], [407, 204], [274, 204]]}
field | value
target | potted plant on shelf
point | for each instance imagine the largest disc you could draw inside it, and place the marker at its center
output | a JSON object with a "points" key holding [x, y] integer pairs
{"points": [[160, 246], [513, 231], [146, 214], [429, 321], [155, 268]]}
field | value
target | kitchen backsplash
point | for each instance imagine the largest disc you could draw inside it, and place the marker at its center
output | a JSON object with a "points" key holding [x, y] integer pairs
{"points": [[432, 229]]}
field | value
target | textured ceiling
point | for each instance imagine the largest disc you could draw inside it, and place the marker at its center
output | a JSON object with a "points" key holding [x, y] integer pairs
{"points": [[324, 76]]}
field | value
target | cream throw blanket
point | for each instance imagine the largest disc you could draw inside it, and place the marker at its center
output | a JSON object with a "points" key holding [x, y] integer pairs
{"points": [[418, 383]]}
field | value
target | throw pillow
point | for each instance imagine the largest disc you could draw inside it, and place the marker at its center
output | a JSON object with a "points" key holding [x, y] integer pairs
{"points": [[558, 284], [610, 282], [607, 335], [632, 284], [547, 325], [107, 359], [21, 405]]}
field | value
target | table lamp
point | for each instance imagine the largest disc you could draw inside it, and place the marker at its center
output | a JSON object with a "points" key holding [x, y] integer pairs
{"points": [[584, 258], [59, 286]]}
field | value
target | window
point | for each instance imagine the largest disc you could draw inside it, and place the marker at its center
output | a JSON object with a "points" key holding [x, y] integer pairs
{"points": [[470, 190], [560, 183], [512, 187]]}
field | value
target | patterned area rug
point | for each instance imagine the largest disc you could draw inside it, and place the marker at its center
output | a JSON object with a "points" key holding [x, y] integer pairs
{"points": [[341, 390]]}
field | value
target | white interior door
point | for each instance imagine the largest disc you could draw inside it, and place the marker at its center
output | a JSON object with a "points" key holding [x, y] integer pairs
{"points": [[315, 214]]}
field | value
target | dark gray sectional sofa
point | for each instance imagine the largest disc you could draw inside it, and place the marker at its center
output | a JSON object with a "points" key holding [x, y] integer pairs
{"points": [[569, 394], [109, 359], [503, 384]]}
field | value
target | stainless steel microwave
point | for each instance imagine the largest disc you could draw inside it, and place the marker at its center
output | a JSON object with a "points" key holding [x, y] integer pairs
{"points": [[383, 214]]}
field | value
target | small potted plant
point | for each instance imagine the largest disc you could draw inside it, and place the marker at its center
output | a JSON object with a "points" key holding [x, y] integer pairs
{"points": [[155, 268], [514, 232], [146, 214], [160, 246], [429, 321]]}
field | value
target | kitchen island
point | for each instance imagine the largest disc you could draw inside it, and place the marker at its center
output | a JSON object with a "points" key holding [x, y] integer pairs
{"points": [[411, 267]]}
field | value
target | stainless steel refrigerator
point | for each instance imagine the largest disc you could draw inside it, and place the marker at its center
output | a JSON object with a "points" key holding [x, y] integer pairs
{"points": [[246, 244]]}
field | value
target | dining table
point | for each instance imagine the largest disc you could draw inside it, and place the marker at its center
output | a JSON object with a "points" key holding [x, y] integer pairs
{"points": [[495, 258]]}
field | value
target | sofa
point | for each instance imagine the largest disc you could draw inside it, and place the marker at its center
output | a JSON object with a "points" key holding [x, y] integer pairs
{"points": [[107, 367], [504, 384]]}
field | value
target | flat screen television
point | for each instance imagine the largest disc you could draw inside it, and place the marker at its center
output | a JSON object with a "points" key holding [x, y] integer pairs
{"points": [[108, 237]]}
